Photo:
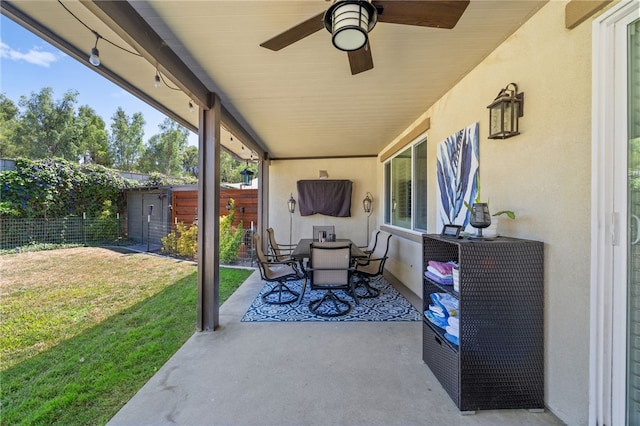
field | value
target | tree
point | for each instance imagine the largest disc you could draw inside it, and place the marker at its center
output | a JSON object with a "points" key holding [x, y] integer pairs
{"points": [[46, 128], [125, 144], [164, 151], [190, 161], [227, 165], [8, 123], [94, 140]]}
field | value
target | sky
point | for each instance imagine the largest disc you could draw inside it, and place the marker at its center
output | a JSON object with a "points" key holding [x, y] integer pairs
{"points": [[28, 64]]}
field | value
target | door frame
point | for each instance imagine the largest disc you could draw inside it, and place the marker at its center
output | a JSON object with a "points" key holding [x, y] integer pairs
{"points": [[607, 364]]}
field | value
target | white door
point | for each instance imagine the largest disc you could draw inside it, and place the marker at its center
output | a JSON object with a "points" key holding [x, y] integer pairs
{"points": [[615, 306], [630, 271]]}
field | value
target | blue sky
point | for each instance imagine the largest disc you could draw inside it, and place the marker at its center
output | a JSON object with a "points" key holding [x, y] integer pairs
{"points": [[28, 63]]}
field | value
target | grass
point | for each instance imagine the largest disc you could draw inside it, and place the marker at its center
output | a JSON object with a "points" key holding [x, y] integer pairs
{"points": [[84, 328]]}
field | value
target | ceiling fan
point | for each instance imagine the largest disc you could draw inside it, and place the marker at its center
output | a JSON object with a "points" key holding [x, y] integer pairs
{"points": [[350, 21]]}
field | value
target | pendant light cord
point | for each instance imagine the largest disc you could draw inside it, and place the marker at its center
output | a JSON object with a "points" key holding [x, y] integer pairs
{"points": [[98, 36]]}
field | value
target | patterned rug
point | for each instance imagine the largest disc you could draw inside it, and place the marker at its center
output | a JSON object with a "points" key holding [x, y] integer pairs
{"points": [[388, 306]]}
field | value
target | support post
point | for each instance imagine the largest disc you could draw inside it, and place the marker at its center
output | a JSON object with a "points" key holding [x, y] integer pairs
{"points": [[208, 214]]}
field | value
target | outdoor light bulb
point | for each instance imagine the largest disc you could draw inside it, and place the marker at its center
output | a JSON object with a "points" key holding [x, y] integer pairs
{"points": [[156, 82], [94, 58]]}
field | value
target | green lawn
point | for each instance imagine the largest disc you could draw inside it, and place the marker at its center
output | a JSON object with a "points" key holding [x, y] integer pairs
{"points": [[83, 329]]}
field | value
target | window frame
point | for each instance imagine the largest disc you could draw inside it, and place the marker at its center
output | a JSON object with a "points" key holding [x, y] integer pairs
{"points": [[418, 188]]}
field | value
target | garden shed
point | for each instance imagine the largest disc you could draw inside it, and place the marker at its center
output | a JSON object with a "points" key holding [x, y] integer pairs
{"points": [[148, 214]]}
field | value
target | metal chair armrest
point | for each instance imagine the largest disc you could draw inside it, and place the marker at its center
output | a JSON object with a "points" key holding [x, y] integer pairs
{"points": [[366, 261], [292, 263]]}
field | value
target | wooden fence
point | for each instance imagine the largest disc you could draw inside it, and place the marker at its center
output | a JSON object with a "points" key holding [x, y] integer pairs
{"points": [[185, 206]]}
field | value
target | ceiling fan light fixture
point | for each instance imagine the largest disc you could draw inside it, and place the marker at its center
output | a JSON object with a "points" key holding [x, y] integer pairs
{"points": [[349, 22]]}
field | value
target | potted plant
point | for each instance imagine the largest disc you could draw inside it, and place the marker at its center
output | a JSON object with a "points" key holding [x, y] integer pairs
{"points": [[480, 215]]}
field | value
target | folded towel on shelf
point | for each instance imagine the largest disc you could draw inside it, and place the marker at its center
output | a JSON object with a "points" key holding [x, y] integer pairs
{"points": [[437, 273], [452, 331], [448, 280], [446, 301], [435, 320], [453, 339], [443, 267], [438, 310]]}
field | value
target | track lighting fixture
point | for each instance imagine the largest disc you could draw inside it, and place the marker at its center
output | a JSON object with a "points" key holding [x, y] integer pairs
{"points": [[156, 81], [94, 57], [191, 107]]}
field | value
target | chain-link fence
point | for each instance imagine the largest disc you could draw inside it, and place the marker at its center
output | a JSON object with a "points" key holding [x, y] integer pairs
{"points": [[16, 233]]}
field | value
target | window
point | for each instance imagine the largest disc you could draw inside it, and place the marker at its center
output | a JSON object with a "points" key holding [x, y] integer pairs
{"points": [[405, 188]]}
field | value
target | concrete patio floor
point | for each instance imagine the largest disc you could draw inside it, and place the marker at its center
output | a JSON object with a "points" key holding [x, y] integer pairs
{"points": [[307, 373]]}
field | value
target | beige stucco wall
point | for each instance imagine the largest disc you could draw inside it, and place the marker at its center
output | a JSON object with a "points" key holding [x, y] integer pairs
{"points": [[283, 177], [542, 174]]}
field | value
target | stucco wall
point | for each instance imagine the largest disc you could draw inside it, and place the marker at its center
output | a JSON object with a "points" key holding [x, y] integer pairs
{"points": [[283, 177], [542, 174]]}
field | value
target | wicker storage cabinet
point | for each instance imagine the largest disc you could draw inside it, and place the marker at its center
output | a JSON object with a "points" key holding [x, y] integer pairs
{"points": [[499, 361]]}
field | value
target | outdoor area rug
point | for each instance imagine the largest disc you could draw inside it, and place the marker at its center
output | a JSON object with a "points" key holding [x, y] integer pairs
{"points": [[388, 306]]}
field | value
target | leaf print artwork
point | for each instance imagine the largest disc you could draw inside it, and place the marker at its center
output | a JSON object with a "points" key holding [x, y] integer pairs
{"points": [[457, 170]]}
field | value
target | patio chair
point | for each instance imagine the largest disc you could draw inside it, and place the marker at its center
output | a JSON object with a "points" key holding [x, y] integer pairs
{"points": [[372, 242], [372, 267], [328, 230], [330, 269], [280, 252], [279, 273]]}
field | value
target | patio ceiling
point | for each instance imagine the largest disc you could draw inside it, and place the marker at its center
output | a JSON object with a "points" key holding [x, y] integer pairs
{"points": [[300, 102]]}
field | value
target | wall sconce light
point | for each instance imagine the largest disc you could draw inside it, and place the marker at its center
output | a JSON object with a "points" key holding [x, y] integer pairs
{"points": [[367, 205], [291, 205], [94, 57], [247, 175], [504, 112], [367, 202], [349, 22]]}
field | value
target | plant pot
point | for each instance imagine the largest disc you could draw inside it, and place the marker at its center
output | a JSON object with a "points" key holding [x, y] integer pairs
{"points": [[480, 217]]}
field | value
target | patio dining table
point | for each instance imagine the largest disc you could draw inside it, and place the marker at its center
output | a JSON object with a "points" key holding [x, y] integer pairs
{"points": [[303, 249]]}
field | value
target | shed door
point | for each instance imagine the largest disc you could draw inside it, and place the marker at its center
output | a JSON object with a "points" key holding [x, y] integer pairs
{"points": [[149, 206]]}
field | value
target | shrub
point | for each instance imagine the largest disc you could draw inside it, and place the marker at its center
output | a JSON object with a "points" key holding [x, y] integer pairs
{"points": [[230, 239], [158, 179], [183, 241], [58, 188]]}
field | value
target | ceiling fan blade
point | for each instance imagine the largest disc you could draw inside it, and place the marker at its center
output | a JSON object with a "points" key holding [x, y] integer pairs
{"points": [[431, 13], [295, 33], [360, 60]]}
